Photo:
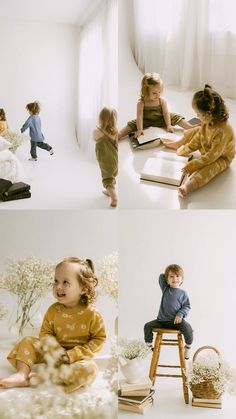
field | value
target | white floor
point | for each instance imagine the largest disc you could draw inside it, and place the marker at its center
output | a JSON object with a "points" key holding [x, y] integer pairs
{"points": [[66, 180], [220, 193]]}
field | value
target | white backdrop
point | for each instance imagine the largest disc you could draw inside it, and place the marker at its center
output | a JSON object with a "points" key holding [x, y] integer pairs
{"points": [[203, 243], [54, 235], [38, 62]]}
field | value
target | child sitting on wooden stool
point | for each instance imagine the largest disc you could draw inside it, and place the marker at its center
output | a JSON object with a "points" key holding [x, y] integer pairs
{"points": [[174, 307]]}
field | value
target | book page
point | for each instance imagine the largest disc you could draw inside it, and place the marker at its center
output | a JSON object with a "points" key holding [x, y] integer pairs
{"points": [[163, 170], [170, 155], [150, 134], [153, 133]]}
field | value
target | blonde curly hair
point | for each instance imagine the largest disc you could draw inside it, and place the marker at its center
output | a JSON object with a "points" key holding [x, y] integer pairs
{"points": [[148, 80], [86, 278]]}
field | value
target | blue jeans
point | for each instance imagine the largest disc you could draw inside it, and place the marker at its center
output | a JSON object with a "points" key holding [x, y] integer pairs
{"points": [[184, 327], [40, 144]]}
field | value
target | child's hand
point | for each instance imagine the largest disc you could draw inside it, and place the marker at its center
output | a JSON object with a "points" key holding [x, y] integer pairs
{"points": [[169, 128], [138, 133], [63, 359], [177, 320], [187, 170]]}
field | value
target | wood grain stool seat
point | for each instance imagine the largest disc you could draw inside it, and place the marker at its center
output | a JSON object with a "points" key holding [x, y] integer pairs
{"points": [[178, 341]]}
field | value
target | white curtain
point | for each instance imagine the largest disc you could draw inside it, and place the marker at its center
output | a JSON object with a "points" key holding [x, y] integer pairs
{"points": [[97, 71], [189, 42]]}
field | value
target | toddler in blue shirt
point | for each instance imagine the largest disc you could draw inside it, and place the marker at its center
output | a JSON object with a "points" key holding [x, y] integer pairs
{"points": [[174, 307], [36, 135]]}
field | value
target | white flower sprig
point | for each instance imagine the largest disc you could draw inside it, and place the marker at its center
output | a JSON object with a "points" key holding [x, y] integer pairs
{"points": [[131, 349], [111, 372], [216, 370], [54, 403], [29, 279], [108, 275], [3, 311]]}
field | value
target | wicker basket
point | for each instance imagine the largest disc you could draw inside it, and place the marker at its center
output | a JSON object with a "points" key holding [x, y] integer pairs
{"points": [[205, 389]]}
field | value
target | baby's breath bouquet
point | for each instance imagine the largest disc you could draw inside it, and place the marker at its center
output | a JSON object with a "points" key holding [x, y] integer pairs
{"points": [[29, 279], [108, 275], [215, 370], [131, 349], [3, 311]]}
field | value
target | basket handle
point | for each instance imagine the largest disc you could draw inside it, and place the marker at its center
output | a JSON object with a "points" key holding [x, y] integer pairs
{"points": [[203, 348]]}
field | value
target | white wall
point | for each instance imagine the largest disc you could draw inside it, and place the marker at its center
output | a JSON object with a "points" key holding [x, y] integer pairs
{"points": [[54, 235], [38, 62], [203, 243]]}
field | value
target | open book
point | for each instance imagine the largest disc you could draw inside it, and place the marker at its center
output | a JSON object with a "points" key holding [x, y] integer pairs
{"points": [[156, 134], [165, 167]]}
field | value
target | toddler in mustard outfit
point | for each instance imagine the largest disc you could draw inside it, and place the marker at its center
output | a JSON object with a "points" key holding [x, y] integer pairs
{"points": [[106, 137], [75, 324], [152, 109], [214, 139]]}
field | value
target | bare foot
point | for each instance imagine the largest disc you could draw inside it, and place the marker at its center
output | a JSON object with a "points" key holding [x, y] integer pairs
{"points": [[113, 203], [172, 144], [183, 191], [15, 380], [105, 192]]}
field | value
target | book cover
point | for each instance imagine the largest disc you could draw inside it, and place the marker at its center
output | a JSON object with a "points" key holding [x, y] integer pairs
{"points": [[135, 399], [155, 134], [4, 185], [144, 384], [143, 392], [197, 400], [17, 187], [14, 197], [134, 407], [165, 167], [211, 405]]}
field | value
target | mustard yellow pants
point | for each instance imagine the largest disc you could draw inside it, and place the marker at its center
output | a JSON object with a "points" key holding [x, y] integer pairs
{"points": [[79, 374], [207, 173]]}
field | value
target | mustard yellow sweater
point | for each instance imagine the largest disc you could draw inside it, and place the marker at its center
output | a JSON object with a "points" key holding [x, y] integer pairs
{"points": [[3, 126], [80, 330], [212, 142]]}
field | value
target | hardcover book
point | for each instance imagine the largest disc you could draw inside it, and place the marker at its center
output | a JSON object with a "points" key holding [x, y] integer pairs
{"points": [[154, 136], [165, 167], [134, 399], [144, 384], [16, 196], [16, 188]]}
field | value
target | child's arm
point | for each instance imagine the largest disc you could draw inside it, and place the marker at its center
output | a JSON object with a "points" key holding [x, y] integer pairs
{"points": [[97, 335], [166, 115], [218, 145], [26, 124], [97, 134], [183, 312], [162, 282], [139, 121]]}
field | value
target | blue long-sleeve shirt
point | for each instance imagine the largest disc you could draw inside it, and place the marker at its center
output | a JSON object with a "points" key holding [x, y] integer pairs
{"points": [[174, 302], [34, 125]]}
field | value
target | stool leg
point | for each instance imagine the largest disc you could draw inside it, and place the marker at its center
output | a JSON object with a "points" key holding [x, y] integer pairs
{"points": [[183, 368], [155, 358]]}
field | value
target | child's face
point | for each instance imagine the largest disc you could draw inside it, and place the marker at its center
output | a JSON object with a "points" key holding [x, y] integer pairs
{"points": [[154, 92], [204, 117], [66, 288], [174, 280]]}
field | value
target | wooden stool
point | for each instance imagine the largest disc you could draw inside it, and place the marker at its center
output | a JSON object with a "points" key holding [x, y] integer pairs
{"points": [[156, 354]]}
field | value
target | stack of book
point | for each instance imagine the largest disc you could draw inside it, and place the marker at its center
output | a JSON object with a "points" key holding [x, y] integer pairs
{"points": [[11, 191], [136, 397], [213, 403]]}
